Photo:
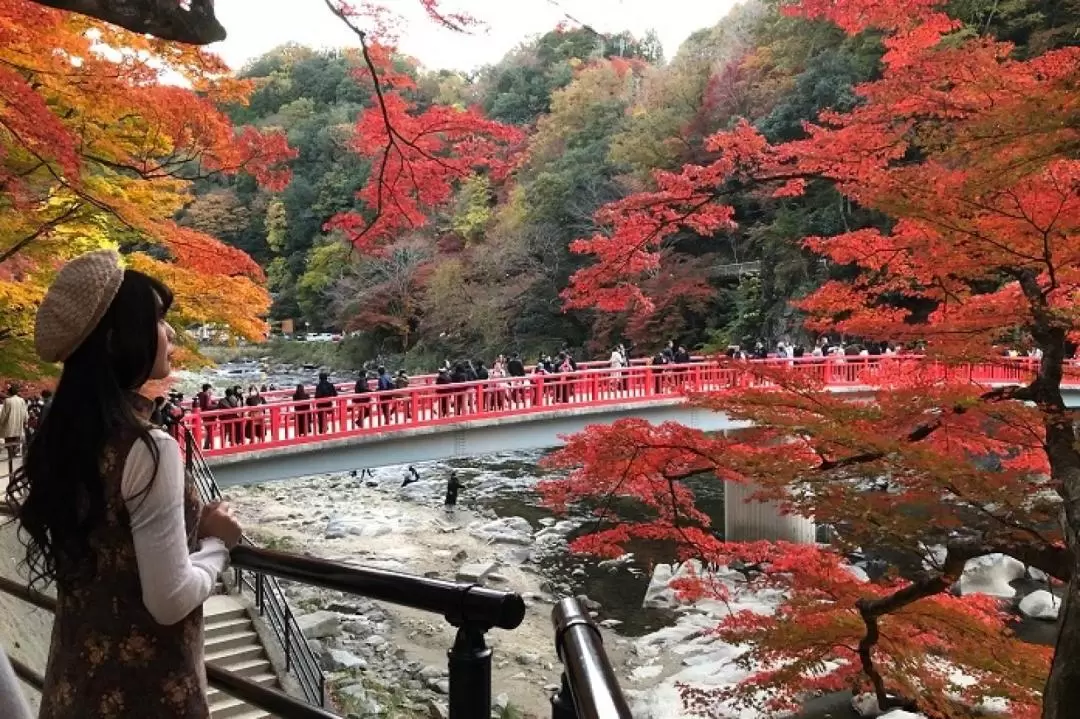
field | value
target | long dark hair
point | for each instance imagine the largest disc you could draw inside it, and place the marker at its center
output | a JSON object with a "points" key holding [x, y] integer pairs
{"points": [[58, 494]]}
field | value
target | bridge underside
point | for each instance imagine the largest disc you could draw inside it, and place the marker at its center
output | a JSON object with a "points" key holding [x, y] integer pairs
{"points": [[463, 439]]}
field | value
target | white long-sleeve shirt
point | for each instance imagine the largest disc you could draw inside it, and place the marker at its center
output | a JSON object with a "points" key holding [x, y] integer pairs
{"points": [[174, 581], [12, 702]]}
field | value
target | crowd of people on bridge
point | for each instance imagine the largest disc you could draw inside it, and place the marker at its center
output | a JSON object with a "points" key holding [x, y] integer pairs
{"points": [[377, 397], [242, 416], [380, 397]]}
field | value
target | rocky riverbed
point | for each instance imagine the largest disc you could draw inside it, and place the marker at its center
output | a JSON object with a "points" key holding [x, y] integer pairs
{"points": [[382, 654]]}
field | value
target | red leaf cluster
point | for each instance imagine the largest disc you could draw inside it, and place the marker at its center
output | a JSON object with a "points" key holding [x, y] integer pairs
{"points": [[418, 157]]}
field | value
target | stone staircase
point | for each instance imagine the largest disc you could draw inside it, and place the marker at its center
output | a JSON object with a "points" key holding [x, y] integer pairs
{"points": [[233, 644]]}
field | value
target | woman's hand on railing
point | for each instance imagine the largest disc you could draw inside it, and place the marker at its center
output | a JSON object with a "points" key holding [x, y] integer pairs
{"points": [[216, 521]]}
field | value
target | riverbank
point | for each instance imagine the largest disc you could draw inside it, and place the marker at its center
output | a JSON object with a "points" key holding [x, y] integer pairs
{"points": [[654, 642], [344, 356]]}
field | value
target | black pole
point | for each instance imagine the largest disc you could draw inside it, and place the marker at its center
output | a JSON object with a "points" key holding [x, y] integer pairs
{"points": [[470, 673], [189, 450]]}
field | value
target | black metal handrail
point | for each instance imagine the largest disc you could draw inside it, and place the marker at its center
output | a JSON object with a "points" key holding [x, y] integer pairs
{"points": [[28, 675], [472, 608], [270, 600], [457, 601], [269, 700], [589, 687]]}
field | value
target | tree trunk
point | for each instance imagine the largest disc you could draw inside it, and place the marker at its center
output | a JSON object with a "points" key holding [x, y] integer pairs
{"points": [[165, 19], [1061, 697]]}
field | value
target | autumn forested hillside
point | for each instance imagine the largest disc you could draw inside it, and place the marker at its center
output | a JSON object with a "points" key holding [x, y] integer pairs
{"points": [[600, 114], [570, 120]]}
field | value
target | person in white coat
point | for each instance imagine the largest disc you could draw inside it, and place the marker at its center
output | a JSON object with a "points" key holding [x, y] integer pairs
{"points": [[13, 417]]}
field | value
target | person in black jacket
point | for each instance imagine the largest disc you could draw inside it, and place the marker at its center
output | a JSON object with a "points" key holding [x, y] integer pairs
{"points": [[515, 367], [324, 410], [442, 379], [452, 488], [411, 475], [459, 375]]}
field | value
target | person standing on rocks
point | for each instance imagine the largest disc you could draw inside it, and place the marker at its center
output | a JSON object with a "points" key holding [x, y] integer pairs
{"points": [[411, 475], [106, 513], [453, 485]]}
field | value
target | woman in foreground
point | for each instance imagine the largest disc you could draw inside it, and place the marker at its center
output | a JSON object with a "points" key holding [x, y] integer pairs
{"points": [[106, 512]]}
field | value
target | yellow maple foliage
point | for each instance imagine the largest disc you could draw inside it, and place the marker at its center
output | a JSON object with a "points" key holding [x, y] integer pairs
{"points": [[102, 134]]}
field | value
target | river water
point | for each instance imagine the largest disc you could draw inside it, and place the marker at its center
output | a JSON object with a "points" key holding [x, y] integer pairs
{"points": [[619, 588]]}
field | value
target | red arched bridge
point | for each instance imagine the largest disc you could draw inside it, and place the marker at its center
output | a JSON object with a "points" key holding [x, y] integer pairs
{"points": [[286, 438]]}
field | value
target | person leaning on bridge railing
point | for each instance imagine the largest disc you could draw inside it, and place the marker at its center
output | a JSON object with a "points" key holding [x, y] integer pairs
{"points": [[106, 512]]}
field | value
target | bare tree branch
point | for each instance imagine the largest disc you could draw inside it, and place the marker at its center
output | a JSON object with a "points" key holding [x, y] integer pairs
{"points": [[45, 228], [1021, 393]]}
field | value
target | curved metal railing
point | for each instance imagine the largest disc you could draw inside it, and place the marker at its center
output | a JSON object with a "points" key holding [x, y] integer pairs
{"points": [[270, 600], [589, 688]]}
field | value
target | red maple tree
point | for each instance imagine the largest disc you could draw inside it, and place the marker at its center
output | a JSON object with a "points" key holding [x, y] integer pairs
{"points": [[970, 152]]}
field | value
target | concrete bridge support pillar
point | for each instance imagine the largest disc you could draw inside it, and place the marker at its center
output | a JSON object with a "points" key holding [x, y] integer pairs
{"points": [[751, 521]]}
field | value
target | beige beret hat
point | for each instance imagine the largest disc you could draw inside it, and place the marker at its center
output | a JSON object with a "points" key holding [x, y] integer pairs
{"points": [[76, 302]]}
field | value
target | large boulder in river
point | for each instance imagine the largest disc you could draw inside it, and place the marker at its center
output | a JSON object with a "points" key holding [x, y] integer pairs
{"points": [[337, 660], [508, 530], [660, 594], [1040, 605], [991, 575], [340, 527], [317, 625]]}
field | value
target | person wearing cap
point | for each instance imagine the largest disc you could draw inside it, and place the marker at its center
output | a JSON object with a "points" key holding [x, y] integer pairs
{"points": [[106, 512]]}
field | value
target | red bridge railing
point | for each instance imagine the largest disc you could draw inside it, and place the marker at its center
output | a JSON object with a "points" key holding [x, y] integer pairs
{"points": [[285, 423], [416, 380]]}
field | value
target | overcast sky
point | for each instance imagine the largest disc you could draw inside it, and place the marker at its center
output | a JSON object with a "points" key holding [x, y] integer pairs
{"points": [[256, 26]]}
